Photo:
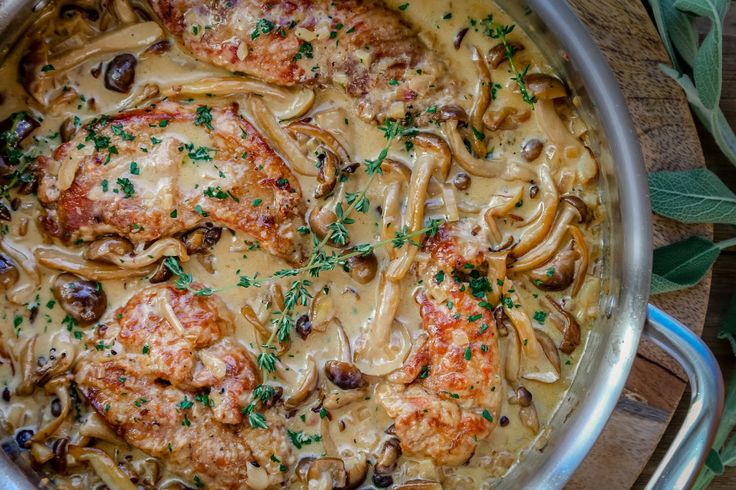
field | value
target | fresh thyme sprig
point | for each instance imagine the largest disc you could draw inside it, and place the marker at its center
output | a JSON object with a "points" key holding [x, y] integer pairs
{"points": [[261, 394], [184, 280], [500, 32]]}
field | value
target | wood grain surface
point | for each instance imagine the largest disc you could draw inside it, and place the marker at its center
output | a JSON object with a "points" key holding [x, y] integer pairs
{"points": [[669, 140]]}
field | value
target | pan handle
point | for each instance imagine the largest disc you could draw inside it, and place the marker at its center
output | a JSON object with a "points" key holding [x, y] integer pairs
{"points": [[684, 458]]}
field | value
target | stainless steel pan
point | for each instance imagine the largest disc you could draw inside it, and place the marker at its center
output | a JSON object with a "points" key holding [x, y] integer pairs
{"points": [[614, 339]]}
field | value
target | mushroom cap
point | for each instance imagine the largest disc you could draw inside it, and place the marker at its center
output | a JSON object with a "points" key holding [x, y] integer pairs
{"points": [[545, 87]]}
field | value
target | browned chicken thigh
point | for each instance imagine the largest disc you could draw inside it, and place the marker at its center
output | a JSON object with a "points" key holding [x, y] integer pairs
{"points": [[452, 393], [169, 380], [150, 173], [358, 45]]}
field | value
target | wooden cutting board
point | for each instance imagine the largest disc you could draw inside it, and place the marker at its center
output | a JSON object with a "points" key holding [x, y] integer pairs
{"points": [[627, 37]]}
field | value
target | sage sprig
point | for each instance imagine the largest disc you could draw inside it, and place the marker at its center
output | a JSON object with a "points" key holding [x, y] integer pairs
{"points": [[698, 196]]}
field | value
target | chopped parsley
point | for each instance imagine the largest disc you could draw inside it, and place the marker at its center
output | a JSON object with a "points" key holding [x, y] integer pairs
{"points": [[487, 415], [540, 317], [126, 186], [300, 439], [134, 168], [305, 51], [198, 209], [203, 117], [263, 26]]}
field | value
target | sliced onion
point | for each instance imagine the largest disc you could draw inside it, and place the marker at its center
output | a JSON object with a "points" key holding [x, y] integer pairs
{"points": [[63, 261]]}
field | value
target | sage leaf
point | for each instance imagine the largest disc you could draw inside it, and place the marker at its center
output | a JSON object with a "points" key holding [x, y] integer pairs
{"points": [[708, 65], [676, 30], [682, 264], [714, 120], [692, 196], [713, 462], [727, 329]]}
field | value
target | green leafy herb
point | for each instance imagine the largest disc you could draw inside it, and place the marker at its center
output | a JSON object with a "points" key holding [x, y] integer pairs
{"points": [[692, 196], [203, 117], [126, 186], [684, 264], [300, 439], [263, 26]]}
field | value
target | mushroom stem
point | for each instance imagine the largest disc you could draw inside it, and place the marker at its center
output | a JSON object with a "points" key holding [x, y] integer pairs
{"points": [[433, 158], [500, 205], [280, 139], [59, 387], [482, 168], [534, 362], [105, 467], [539, 229], [324, 137], [20, 292], [56, 259], [482, 99], [124, 12], [582, 249], [165, 247], [545, 250], [304, 386], [301, 101], [571, 150]]}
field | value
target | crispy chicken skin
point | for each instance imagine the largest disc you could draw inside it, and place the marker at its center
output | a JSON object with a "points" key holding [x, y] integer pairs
{"points": [[147, 376], [356, 44], [129, 179], [452, 395]]}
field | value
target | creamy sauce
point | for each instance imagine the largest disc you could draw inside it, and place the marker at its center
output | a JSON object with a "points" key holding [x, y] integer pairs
{"points": [[30, 310]]}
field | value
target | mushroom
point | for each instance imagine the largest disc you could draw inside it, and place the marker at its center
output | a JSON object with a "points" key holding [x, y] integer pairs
{"points": [[385, 464], [481, 167], [432, 159], [20, 292], [531, 149], [556, 274], [40, 83], [322, 135], [120, 73], [570, 327], [280, 139], [124, 12], [160, 273], [68, 129], [506, 118], [332, 473], [527, 410], [344, 375], [363, 267], [299, 101], [481, 101], [14, 129], [83, 300], [108, 249], [8, 273], [538, 230], [327, 176], [320, 218], [550, 350], [96, 427], [303, 386], [322, 310], [581, 247], [103, 465], [571, 208], [419, 485], [546, 88], [497, 54], [60, 388], [54, 258], [534, 364], [201, 239], [500, 205]]}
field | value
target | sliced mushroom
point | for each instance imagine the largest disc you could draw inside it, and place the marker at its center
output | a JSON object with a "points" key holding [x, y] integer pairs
{"points": [[556, 274], [302, 387], [60, 388], [581, 247], [322, 135], [83, 300], [506, 118], [96, 427], [529, 418], [298, 101], [534, 364], [571, 208], [103, 465], [481, 101], [160, 273], [497, 54], [570, 327], [571, 150], [8, 273], [15, 129], [280, 139], [332, 473], [480, 167], [500, 205], [202, 239], [322, 310], [388, 457], [54, 258], [539, 229], [327, 176], [550, 350], [108, 249], [432, 159]]}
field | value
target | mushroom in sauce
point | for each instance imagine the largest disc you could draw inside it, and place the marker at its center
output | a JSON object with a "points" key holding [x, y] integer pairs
{"points": [[85, 301]]}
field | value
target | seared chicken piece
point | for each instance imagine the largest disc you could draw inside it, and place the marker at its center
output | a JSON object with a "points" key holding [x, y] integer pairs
{"points": [[453, 396], [359, 45], [170, 381], [150, 173]]}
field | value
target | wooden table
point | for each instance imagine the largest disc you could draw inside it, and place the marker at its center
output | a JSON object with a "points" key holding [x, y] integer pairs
{"points": [[629, 448]]}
